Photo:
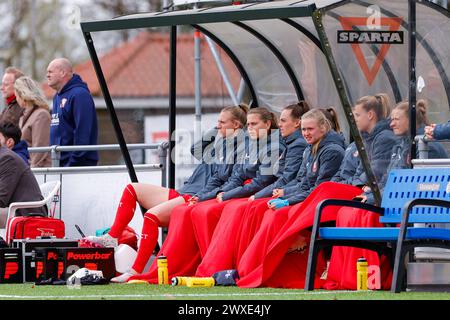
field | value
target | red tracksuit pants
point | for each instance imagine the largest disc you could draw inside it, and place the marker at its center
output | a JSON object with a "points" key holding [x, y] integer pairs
{"points": [[342, 270], [205, 216], [180, 247], [190, 231], [227, 239]]}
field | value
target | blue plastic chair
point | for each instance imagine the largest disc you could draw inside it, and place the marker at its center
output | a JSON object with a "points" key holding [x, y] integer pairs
{"points": [[410, 196]]}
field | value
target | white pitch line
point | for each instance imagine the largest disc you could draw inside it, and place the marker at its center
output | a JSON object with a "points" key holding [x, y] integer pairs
{"points": [[168, 295]]}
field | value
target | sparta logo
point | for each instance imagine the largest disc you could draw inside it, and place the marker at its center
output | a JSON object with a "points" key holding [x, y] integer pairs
{"points": [[314, 167], [63, 103]]}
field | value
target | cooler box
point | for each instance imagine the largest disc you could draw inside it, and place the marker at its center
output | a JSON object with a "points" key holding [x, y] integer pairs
{"points": [[28, 247], [63, 262], [11, 265]]}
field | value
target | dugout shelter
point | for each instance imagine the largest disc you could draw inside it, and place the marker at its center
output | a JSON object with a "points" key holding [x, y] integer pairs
{"points": [[327, 52]]}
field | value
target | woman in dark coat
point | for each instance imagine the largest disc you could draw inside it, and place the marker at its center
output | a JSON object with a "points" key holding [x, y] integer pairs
{"points": [[321, 160], [252, 173], [240, 220], [342, 270]]}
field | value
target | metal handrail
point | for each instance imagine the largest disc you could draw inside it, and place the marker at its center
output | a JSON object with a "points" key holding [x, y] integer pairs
{"points": [[423, 147], [427, 163], [56, 170], [101, 147], [95, 169], [56, 150]]}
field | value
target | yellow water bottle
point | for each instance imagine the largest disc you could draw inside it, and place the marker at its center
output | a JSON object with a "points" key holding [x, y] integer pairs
{"points": [[163, 270], [194, 282], [361, 276], [179, 281]]}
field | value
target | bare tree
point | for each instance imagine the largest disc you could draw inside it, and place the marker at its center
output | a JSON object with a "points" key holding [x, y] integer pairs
{"points": [[11, 38], [32, 34], [35, 31], [115, 8]]}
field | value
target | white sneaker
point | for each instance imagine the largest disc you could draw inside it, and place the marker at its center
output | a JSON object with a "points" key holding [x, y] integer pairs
{"points": [[124, 277], [105, 240]]}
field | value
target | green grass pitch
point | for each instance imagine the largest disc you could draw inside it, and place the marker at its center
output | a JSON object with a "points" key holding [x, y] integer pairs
{"points": [[29, 291]]}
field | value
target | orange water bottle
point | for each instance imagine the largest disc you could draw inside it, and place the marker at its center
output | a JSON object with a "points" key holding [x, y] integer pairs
{"points": [[361, 275], [163, 270]]}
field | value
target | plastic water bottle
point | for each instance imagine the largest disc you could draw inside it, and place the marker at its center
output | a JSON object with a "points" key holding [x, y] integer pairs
{"points": [[163, 270], [361, 275], [124, 257]]}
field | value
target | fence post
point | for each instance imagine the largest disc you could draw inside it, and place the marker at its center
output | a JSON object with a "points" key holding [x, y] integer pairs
{"points": [[56, 156], [423, 149], [162, 153]]}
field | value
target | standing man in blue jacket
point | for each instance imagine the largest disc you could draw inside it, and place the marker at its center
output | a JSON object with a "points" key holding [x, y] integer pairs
{"points": [[74, 119]]}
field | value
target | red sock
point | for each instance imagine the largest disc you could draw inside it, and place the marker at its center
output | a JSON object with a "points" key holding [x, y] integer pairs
{"points": [[149, 238], [125, 211]]}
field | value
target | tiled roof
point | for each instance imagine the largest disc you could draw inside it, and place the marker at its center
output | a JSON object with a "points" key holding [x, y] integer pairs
{"points": [[140, 68]]}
